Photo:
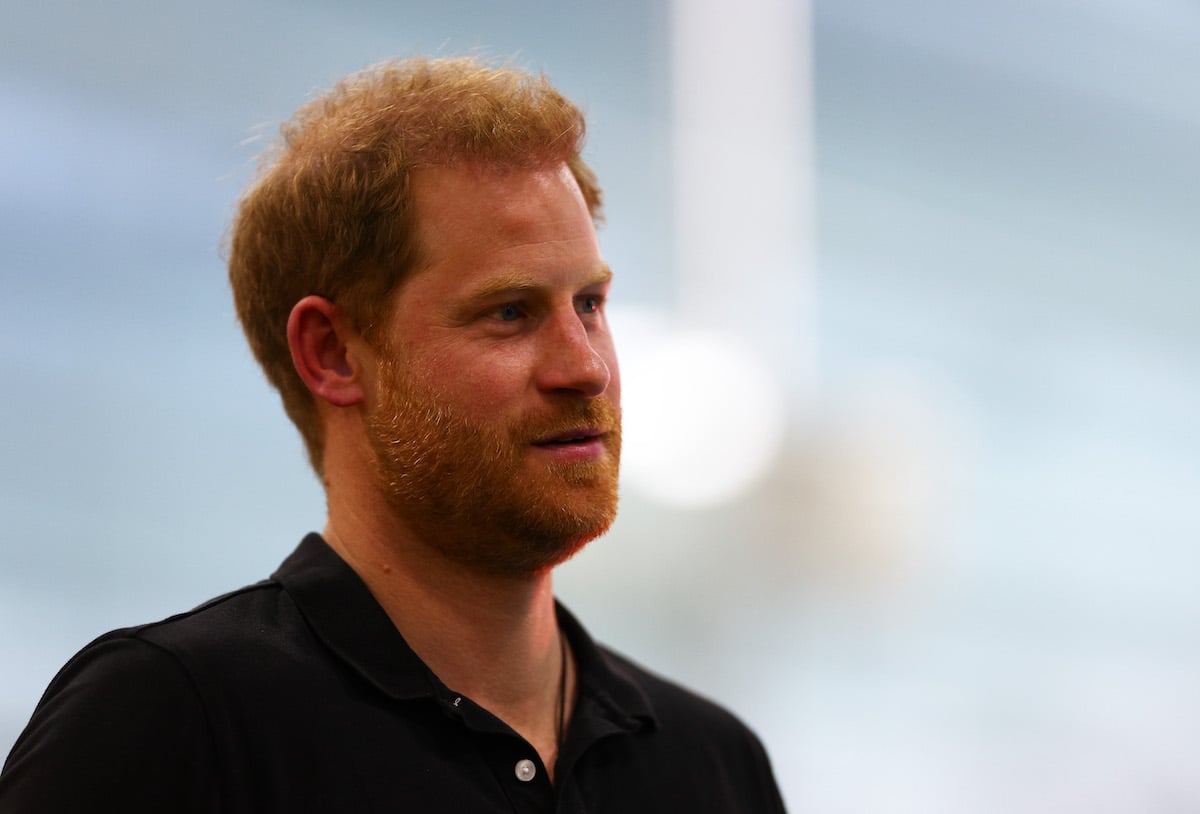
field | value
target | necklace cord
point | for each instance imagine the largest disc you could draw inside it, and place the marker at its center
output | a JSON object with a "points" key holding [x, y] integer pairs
{"points": [[562, 688]]}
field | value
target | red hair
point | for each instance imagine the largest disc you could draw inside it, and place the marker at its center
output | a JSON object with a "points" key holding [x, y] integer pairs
{"points": [[331, 211]]}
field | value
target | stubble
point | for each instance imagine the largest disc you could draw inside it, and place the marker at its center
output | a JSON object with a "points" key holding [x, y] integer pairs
{"points": [[477, 492]]}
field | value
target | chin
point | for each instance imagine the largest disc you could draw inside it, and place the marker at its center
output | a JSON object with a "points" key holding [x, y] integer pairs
{"points": [[539, 544]]}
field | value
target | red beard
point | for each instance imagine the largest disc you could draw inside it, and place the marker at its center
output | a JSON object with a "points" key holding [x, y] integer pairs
{"points": [[477, 492]]}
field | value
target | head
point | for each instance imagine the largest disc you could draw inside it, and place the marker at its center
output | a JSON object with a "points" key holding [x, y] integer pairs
{"points": [[493, 420], [332, 212]]}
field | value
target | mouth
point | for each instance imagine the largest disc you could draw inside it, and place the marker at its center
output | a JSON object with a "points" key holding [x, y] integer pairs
{"points": [[573, 437]]}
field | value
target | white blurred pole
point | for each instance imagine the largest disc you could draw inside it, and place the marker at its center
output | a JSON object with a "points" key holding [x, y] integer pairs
{"points": [[743, 177]]}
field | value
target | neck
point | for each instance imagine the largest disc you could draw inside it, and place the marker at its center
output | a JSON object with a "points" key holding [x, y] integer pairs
{"points": [[493, 639]]}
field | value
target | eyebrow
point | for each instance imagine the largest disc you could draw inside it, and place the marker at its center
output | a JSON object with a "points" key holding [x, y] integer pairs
{"points": [[516, 281]]}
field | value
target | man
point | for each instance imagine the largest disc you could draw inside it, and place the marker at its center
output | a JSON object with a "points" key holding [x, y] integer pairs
{"points": [[417, 270]]}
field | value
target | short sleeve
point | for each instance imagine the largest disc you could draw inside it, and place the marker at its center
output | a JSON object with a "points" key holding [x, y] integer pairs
{"points": [[121, 728]]}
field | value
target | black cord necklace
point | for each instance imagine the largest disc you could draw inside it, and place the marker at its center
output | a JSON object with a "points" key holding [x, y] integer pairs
{"points": [[562, 689]]}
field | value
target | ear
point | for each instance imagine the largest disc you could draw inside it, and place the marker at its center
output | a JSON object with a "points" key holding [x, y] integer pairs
{"points": [[324, 351]]}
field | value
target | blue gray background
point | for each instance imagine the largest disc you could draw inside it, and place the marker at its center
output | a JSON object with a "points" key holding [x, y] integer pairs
{"points": [[968, 581]]}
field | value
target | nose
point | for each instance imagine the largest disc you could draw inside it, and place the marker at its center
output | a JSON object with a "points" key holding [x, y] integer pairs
{"points": [[574, 359]]}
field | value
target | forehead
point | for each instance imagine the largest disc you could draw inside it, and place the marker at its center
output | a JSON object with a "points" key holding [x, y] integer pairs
{"points": [[470, 195], [476, 219]]}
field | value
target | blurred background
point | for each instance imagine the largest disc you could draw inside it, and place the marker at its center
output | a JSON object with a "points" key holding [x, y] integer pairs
{"points": [[907, 302]]}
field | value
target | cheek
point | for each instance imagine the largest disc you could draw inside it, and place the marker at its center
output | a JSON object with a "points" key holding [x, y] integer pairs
{"points": [[614, 375], [487, 387]]}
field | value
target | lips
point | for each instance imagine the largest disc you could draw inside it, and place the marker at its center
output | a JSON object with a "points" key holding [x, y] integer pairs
{"points": [[581, 435]]}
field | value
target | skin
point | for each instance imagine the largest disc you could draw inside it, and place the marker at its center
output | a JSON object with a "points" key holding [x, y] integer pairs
{"points": [[504, 323]]}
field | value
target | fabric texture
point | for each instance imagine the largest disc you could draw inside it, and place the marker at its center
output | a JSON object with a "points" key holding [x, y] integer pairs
{"points": [[298, 694]]}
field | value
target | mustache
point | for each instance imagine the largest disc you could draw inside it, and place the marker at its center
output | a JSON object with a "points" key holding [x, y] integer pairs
{"points": [[599, 415]]}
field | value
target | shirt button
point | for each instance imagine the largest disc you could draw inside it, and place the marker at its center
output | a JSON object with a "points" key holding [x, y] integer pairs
{"points": [[525, 770]]}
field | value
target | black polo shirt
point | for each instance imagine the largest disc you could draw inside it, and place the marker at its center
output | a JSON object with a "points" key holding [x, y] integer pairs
{"points": [[298, 694]]}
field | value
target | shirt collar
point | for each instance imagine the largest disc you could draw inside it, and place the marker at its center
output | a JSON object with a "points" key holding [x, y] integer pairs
{"points": [[606, 679], [345, 616]]}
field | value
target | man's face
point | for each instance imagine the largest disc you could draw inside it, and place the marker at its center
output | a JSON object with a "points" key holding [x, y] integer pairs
{"points": [[496, 424]]}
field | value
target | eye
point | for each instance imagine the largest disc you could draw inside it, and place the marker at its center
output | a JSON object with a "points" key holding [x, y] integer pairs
{"points": [[509, 312], [590, 304]]}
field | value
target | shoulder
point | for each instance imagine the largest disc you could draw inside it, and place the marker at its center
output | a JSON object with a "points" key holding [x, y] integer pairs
{"points": [[239, 651], [686, 751], [230, 637], [122, 720], [247, 613], [677, 708], [154, 663], [135, 717], [697, 731], [677, 737]]}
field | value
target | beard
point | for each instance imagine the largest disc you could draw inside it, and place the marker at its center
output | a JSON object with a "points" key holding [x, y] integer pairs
{"points": [[477, 492]]}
